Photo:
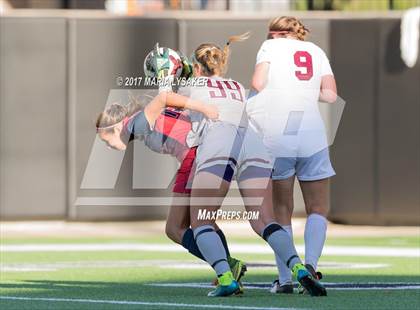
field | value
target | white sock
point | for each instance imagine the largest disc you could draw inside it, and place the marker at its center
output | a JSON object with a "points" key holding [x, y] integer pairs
{"points": [[285, 275], [315, 234], [211, 247]]}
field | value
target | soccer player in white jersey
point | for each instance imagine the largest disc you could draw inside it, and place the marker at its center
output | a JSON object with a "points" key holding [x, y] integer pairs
{"points": [[290, 76], [227, 148]]}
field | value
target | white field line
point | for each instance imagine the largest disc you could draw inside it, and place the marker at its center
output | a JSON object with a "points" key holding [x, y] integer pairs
{"points": [[41, 267], [237, 248], [249, 286], [140, 303]]}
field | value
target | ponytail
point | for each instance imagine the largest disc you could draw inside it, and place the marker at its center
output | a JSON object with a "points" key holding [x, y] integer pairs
{"points": [[226, 48], [213, 59]]}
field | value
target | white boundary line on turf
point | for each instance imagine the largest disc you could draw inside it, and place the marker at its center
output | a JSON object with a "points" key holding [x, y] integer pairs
{"points": [[141, 303], [249, 286], [54, 266], [237, 248]]}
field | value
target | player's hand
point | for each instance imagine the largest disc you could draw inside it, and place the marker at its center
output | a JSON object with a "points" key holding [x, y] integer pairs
{"points": [[211, 112], [187, 68]]}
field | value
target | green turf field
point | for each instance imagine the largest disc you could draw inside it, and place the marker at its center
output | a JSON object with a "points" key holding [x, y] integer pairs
{"points": [[167, 279]]}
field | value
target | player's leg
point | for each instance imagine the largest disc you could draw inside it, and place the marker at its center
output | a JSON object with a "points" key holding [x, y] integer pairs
{"points": [[283, 177], [178, 220], [274, 234], [283, 210], [254, 178], [178, 224], [282, 244], [253, 190], [313, 173], [207, 195], [283, 203], [178, 230], [237, 266], [315, 195]]}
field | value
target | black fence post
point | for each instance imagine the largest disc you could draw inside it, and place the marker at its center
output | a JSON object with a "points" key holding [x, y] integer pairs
{"points": [[310, 5]]}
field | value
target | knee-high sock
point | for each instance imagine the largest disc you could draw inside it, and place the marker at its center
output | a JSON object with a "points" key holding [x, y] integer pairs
{"points": [[315, 234], [223, 239], [211, 247], [281, 243], [285, 275], [189, 243]]}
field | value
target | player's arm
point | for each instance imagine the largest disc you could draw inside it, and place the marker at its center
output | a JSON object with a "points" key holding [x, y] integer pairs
{"points": [[260, 76], [328, 91], [170, 99]]}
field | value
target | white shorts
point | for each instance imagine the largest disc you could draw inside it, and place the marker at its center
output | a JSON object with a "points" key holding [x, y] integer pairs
{"points": [[234, 149], [312, 168]]}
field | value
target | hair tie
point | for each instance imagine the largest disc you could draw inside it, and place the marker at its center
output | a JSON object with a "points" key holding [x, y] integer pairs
{"points": [[280, 32], [106, 127]]}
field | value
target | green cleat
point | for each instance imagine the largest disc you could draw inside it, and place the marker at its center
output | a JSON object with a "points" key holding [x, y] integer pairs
{"points": [[308, 282], [227, 286], [237, 267]]}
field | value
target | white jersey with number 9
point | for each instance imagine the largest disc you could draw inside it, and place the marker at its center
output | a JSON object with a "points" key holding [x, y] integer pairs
{"points": [[286, 111]]}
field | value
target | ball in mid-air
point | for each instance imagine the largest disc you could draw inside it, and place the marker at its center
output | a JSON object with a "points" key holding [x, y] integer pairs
{"points": [[163, 57]]}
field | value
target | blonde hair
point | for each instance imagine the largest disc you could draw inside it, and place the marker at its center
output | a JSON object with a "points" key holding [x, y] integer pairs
{"points": [[212, 58], [287, 25], [116, 113]]}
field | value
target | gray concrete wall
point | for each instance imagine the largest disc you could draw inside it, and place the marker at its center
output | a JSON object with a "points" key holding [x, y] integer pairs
{"points": [[377, 148], [398, 127], [353, 153], [33, 99]]}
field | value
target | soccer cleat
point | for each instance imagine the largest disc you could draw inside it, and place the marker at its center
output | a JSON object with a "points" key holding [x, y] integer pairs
{"points": [[316, 274], [241, 289], [301, 290], [227, 286], [237, 267], [286, 288], [308, 282]]}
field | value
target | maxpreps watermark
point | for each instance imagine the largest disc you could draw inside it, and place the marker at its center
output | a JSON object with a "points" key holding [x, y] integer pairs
{"points": [[204, 214]]}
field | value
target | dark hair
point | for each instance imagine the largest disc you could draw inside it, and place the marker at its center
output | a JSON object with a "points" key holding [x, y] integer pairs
{"points": [[116, 113]]}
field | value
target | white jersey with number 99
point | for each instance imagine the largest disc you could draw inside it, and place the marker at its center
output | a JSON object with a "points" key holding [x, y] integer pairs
{"points": [[229, 97]]}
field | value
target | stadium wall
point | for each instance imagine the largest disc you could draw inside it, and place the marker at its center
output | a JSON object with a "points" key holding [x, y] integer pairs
{"points": [[57, 68]]}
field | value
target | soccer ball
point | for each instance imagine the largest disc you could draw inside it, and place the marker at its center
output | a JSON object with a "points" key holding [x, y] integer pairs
{"points": [[171, 60]]}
